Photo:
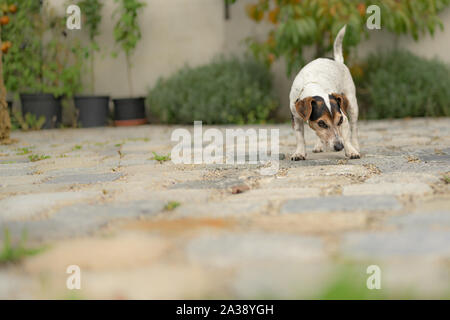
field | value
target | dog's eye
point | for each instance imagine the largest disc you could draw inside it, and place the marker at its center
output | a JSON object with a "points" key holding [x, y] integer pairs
{"points": [[340, 121], [322, 124]]}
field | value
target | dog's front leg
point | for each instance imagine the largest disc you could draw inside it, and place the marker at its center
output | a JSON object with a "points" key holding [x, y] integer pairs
{"points": [[318, 147], [300, 153], [350, 151], [353, 112]]}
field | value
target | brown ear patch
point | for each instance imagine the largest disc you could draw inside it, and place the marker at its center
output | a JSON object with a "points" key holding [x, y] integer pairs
{"points": [[342, 101], [304, 107]]}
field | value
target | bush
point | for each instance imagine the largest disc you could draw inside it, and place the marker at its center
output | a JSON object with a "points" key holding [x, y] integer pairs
{"points": [[399, 84], [225, 91]]}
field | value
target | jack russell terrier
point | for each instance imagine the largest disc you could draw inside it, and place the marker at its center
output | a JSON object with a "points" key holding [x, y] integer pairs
{"points": [[323, 95]]}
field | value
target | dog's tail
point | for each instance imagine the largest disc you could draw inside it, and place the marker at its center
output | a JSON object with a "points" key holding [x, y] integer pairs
{"points": [[338, 56]]}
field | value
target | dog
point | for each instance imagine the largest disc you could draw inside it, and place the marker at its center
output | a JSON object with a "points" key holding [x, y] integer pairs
{"points": [[323, 95]]}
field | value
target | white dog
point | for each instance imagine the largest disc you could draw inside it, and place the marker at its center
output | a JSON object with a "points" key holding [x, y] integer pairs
{"points": [[323, 95]]}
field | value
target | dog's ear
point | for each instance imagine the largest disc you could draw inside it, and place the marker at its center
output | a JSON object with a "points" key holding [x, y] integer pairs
{"points": [[342, 101], [304, 107]]}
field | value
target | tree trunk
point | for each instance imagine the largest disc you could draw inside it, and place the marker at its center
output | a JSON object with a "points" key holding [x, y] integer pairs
{"points": [[5, 122]]}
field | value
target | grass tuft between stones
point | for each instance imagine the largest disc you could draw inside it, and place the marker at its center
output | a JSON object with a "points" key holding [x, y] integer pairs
{"points": [[172, 205], [160, 158], [77, 147], [16, 253], [37, 157], [23, 151]]}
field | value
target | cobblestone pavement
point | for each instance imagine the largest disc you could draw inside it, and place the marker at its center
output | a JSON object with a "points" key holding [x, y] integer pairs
{"points": [[95, 198]]}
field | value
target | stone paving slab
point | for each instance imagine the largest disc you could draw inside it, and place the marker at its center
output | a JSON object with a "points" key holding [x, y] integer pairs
{"points": [[140, 228], [286, 281], [79, 220], [28, 206], [387, 189], [208, 184], [423, 220], [255, 248], [221, 209], [13, 172], [397, 245], [341, 203], [84, 178]]}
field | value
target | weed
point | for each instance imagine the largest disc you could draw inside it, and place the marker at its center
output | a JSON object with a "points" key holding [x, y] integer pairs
{"points": [[23, 151], [29, 122], [37, 157], [348, 284], [12, 253], [446, 178], [160, 158], [172, 205]]}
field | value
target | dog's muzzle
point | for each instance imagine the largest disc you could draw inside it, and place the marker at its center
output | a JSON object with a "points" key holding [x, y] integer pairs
{"points": [[338, 146]]}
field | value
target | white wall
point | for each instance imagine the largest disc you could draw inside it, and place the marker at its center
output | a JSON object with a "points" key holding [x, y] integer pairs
{"points": [[174, 32]]}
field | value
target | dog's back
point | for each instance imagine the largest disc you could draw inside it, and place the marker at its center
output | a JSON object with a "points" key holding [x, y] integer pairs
{"points": [[332, 74]]}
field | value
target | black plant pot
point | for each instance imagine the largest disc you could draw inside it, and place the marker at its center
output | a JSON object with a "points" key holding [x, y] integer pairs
{"points": [[43, 104], [92, 110], [129, 112]]}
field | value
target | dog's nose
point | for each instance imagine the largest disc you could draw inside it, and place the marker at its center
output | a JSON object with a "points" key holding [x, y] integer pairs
{"points": [[338, 146]]}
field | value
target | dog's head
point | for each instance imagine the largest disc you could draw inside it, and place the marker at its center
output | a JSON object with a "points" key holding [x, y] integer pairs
{"points": [[326, 124]]}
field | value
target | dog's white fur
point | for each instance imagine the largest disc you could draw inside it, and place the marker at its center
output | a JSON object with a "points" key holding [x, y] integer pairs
{"points": [[322, 77]]}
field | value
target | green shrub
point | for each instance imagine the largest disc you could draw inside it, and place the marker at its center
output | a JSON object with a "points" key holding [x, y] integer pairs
{"points": [[225, 91], [399, 84]]}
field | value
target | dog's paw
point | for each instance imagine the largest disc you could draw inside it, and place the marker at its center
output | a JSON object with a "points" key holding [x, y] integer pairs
{"points": [[353, 155], [298, 157], [318, 149]]}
